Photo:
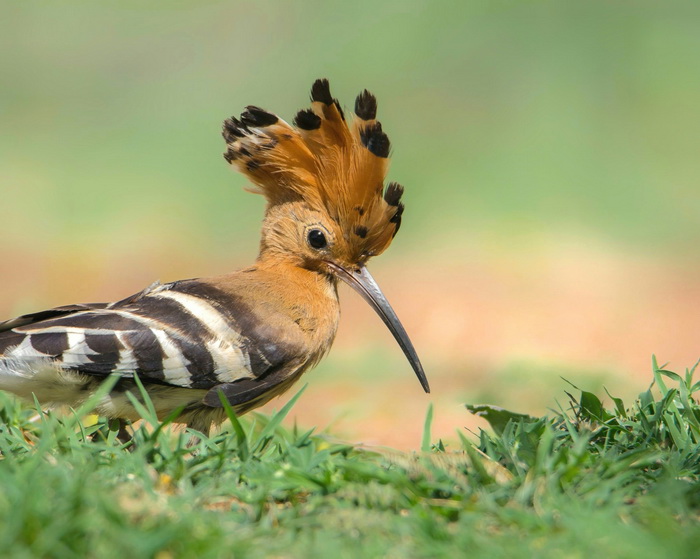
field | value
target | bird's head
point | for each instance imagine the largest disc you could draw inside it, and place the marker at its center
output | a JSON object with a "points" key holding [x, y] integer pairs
{"points": [[328, 209]]}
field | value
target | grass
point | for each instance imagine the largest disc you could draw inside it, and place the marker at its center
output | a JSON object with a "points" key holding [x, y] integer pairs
{"points": [[616, 480]]}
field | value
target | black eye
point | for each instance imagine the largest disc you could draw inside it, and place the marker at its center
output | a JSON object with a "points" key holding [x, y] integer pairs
{"points": [[317, 239]]}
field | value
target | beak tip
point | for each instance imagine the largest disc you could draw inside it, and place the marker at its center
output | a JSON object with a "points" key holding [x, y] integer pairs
{"points": [[418, 369], [363, 282]]}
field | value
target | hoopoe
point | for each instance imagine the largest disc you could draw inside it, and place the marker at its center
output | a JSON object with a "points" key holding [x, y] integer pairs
{"points": [[248, 335]]}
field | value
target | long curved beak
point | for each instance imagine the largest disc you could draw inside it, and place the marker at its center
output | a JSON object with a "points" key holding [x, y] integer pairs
{"points": [[362, 282]]}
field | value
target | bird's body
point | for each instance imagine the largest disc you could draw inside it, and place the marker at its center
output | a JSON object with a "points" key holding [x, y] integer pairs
{"points": [[248, 335], [182, 339]]}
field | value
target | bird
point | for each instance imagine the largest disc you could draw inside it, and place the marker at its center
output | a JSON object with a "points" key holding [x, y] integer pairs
{"points": [[244, 337]]}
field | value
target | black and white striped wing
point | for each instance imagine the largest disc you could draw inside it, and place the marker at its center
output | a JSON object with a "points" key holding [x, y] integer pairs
{"points": [[165, 335]]}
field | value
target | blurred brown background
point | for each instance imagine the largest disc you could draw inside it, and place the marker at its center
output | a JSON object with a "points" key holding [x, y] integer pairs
{"points": [[549, 153]]}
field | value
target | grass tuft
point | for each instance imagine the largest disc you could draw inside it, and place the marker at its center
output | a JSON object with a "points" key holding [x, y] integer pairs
{"points": [[591, 477]]}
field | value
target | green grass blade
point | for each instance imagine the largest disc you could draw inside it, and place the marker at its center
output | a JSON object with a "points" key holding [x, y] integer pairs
{"points": [[150, 414], [279, 416], [241, 437], [425, 441]]}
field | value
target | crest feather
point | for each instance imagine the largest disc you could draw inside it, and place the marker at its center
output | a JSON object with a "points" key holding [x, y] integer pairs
{"points": [[335, 168]]}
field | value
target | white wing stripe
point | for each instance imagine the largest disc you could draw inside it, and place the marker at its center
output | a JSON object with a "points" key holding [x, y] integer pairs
{"points": [[25, 350], [127, 361], [205, 313], [77, 351], [231, 362], [174, 362]]}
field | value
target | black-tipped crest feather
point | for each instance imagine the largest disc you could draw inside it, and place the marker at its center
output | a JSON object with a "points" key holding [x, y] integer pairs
{"points": [[393, 193], [255, 116], [366, 106], [306, 119], [375, 140], [233, 129], [396, 219], [321, 92]]}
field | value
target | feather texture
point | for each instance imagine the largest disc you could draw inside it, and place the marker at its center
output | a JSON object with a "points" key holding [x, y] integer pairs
{"points": [[334, 168]]}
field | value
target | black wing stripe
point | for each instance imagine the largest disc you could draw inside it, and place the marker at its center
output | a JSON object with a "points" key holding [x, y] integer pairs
{"points": [[103, 342], [51, 343], [9, 340], [168, 313], [199, 363], [147, 352]]}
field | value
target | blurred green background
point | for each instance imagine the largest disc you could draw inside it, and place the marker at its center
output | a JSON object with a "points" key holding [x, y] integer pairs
{"points": [[549, 152]]}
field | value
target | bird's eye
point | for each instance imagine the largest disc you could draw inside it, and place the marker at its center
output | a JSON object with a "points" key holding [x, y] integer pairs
{"points": [[317, 239]]}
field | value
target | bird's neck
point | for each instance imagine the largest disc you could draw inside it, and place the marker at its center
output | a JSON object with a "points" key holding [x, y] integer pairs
{"points": [[309, 297], [292, 273], [299, 303]]}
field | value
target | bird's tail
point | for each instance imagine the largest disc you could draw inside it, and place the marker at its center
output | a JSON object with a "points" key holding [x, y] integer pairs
{"points": [[42, 378]]}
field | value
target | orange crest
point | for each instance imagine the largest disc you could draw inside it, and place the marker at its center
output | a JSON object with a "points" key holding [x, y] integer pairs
{"points": [[334, 168]]}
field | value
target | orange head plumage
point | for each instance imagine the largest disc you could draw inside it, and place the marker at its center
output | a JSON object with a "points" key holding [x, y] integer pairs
{"points": [[324, 165], [327, 207]]}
